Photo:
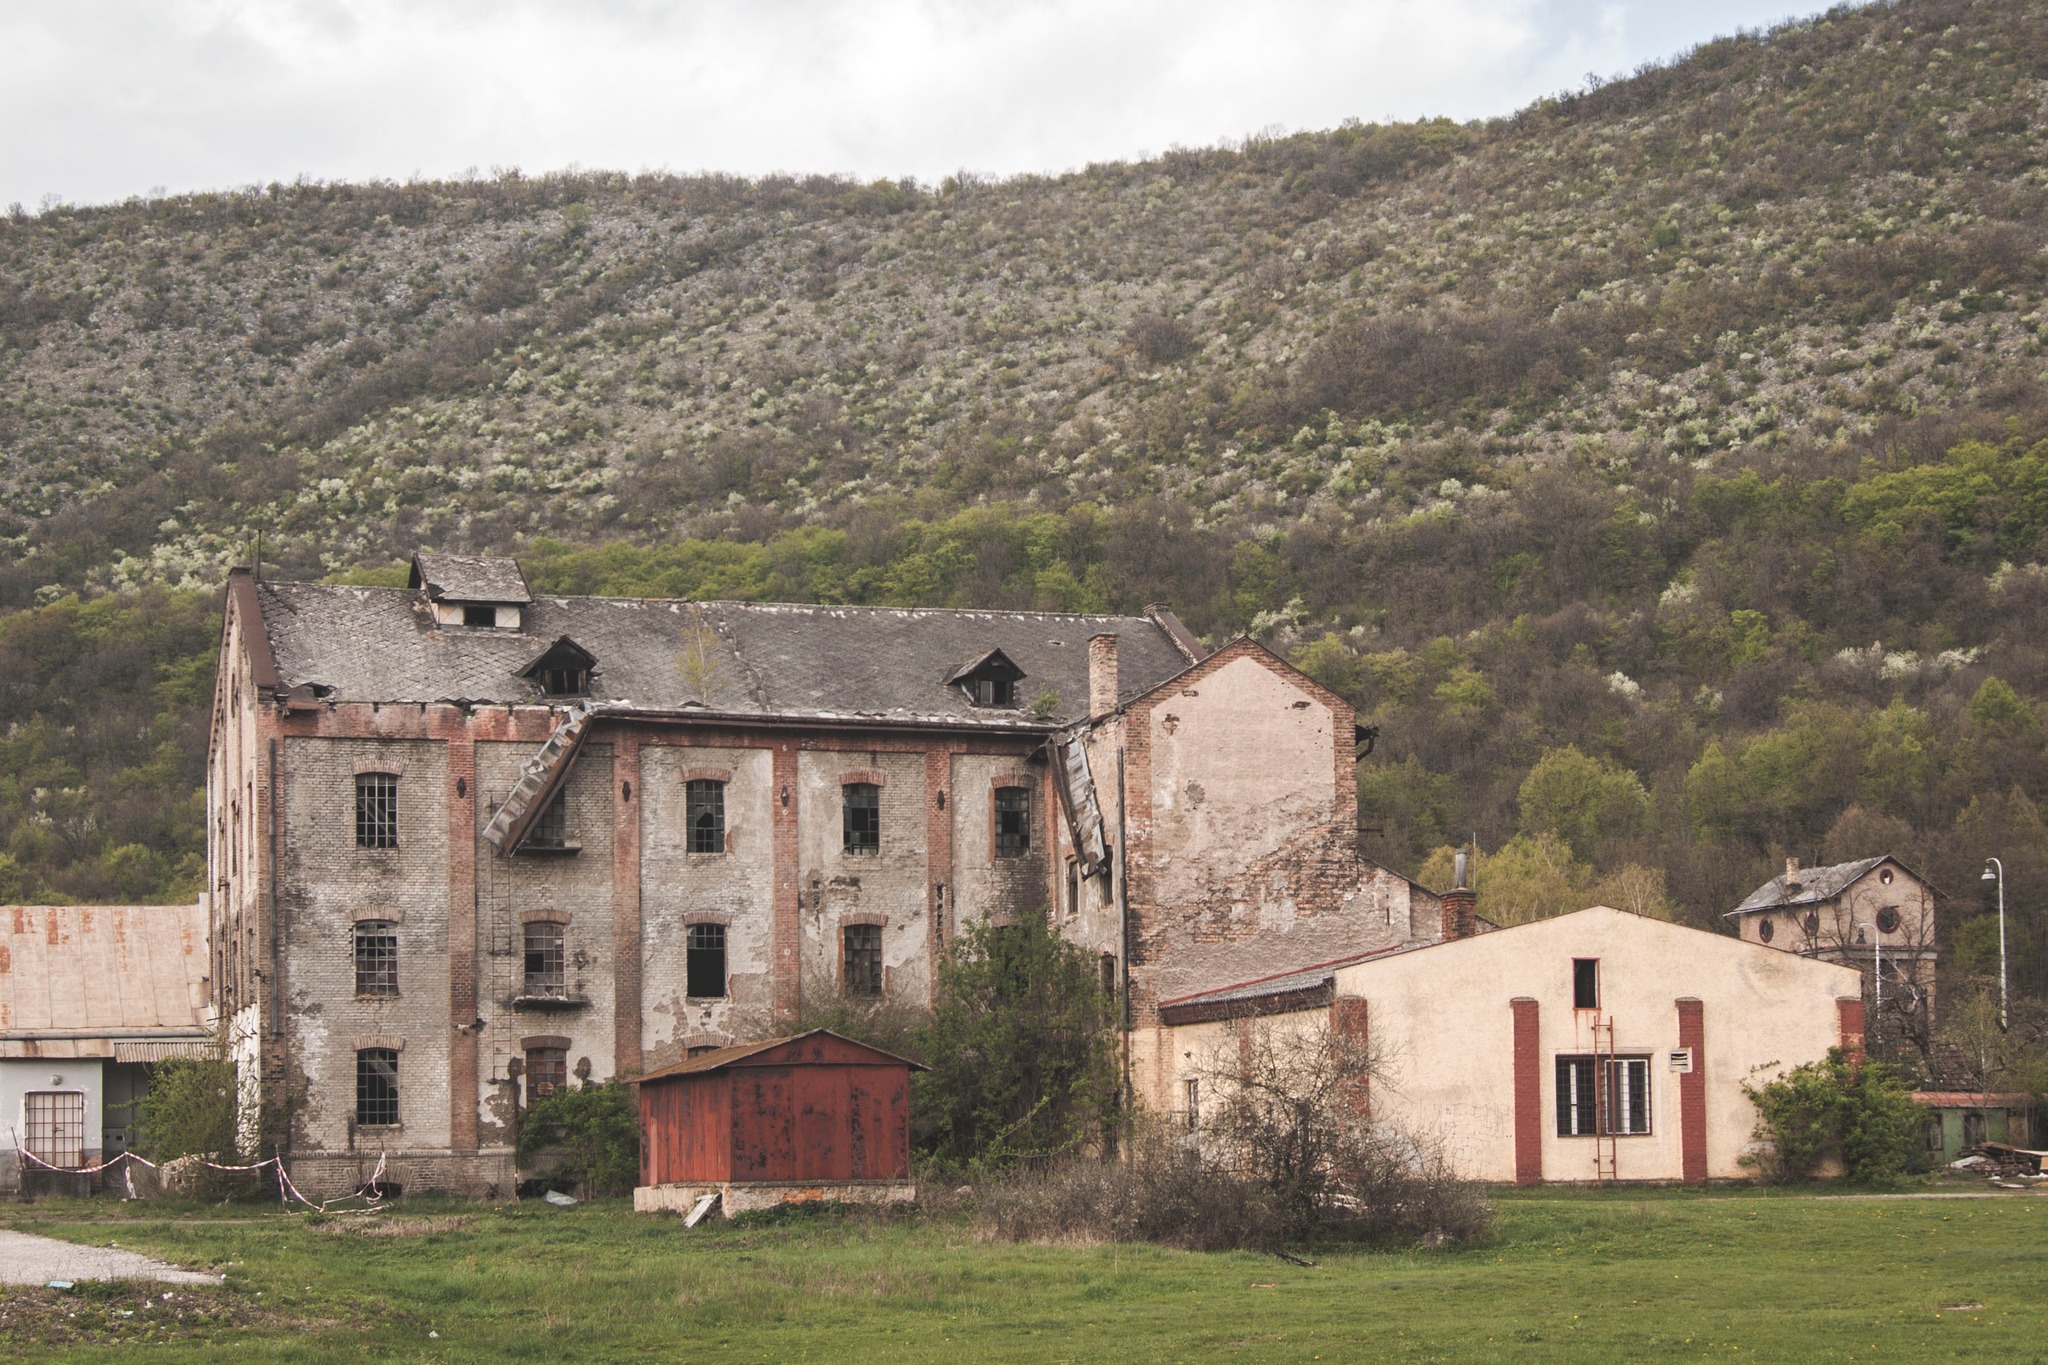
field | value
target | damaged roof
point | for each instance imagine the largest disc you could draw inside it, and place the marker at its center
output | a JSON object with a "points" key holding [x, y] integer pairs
{"points": [[1281, 993], [470, 578], [352, 644], [76, 973], [1812, 886]]}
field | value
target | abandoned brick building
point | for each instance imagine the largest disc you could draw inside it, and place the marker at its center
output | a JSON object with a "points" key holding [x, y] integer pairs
{"points": [[466, 842]]}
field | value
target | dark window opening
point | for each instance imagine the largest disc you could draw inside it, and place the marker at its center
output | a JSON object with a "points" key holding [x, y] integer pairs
{"points": [[704, 814], [1581, 1107], [1109, 973], [547, 1070], [995, 691], [1765, 930], [1811, 924], [863, 961], [551, 830], [861, 803], [1975, 1130], [544, 960], [1013, 821], [479, 616], [704, 961], [1585, 983], [1193, 1113], [564, 682], [377, 1087], [376, 810], [376, 958], [1888, 920], [1931, 1135]]}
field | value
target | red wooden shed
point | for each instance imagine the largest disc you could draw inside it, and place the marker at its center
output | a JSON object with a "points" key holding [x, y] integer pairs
{"points": [[802, 1111]]}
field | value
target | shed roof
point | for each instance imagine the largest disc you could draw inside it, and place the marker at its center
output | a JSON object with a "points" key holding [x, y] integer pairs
{"points": [[469, 578], [852, 664], [1814, 885], [83, 972], [819, 1047]]}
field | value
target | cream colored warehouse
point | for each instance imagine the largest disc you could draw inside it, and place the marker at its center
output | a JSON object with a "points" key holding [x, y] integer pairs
{"points": [[1598, 1044]]}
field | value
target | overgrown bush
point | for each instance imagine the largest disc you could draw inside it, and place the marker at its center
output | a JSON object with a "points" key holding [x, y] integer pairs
{"points": [[590, 1135], [1860, 1113], [189, 1110], [1020, 1050]]}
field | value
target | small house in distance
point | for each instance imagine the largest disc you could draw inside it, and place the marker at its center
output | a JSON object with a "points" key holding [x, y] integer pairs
{"points": [[792, 1120]]}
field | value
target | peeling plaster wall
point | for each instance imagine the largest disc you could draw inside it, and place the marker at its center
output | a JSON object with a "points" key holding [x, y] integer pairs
{"points": [[839, 888], [735, 887], [987, 887], [329, 884]]}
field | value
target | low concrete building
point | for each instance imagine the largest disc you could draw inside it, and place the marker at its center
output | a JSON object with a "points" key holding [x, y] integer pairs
{"points": [[1598, 1045], [91, 996], [1961, 1121]]}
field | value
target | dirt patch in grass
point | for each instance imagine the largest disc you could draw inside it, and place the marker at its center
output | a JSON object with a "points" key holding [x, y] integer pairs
{"points": [[34, 1318], [399, 1227]]}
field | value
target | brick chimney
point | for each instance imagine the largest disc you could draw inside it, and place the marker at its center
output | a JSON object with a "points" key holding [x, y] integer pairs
{"points": [[1460, 906], [1792, 874], [1101, 675]]}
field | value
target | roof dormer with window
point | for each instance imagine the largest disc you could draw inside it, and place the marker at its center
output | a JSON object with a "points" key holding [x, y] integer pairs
{"points": [[563, 670], [989, 680], [471, 590]]}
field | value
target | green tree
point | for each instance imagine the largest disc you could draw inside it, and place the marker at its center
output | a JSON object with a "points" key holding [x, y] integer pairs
{"points": [[1019, 1046], [592, 1134], [1586, 801], [1525, 879]]}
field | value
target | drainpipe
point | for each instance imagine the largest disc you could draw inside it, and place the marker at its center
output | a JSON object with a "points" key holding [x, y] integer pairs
{"points": [[276, 982], [1120, 869]]}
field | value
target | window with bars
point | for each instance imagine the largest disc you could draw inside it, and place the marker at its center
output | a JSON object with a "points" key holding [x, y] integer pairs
{"points": [[1013, 821], [544, 959], [704, 815], [547, 1070], [376, 810], [861, 804], [55, 1121], [704, 961], [551, 830], [377, 1087], [1579, 1100], [376, 957], [863, 959]]}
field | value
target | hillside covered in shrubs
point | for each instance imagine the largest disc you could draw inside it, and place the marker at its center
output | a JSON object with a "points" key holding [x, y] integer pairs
{"points": [[1662, 468]]}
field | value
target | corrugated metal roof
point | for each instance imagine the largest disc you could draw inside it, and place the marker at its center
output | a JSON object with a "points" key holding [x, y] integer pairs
{"points": [[113, 968], [1816, 884], [739, 1052], [756, 659]]}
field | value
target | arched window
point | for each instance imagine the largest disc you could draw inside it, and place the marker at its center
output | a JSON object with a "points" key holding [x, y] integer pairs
{"points": [[377, 1086], [704, 815], [376, 957]]}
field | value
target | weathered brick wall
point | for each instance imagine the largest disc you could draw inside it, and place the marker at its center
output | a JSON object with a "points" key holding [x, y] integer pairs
{"points": [[329, 884], [510, 890], [734, 888], [838, 888], [987, 887]]}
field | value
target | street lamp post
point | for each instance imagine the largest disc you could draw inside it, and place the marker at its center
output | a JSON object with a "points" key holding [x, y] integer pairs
{"points": [[1999, 877], [1877, 941]]}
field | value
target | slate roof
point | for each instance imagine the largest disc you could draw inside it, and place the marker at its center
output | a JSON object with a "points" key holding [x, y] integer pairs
{"points": [[469, 578], [1302, 988], [1816, 884], [757, 659], [100, 971]]}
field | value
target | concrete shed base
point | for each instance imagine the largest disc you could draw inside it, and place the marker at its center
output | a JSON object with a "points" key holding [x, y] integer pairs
{"points": [[747, 1196]]}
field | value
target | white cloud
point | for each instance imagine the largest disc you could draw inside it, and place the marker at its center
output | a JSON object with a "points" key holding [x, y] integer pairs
{"points": [[100, 99]]}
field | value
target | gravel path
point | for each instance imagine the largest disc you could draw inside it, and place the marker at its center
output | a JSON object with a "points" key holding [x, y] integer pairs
{"points": [[26, 1259]]}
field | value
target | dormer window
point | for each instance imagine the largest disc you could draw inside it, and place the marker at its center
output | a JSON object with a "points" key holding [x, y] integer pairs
{"points": [[989, 681], [474, 615], [472, 590], [563, 669]]}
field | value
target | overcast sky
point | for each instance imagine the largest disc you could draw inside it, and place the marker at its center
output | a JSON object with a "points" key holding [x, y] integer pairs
{"points": [[102, 99]]}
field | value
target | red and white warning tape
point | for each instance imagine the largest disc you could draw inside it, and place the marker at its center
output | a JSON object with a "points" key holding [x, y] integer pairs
{"points": [[284, 1181]]}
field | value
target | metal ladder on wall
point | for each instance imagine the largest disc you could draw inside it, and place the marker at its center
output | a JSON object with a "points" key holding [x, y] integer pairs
{"points": [[1606, 1150]]}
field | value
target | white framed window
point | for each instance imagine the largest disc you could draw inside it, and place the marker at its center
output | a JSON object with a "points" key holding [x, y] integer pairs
{"points": [[1579, 1101], [55, 1124]]}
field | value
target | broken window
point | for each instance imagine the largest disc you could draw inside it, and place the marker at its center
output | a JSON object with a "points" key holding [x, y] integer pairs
{"points": [[56, 1126], [995, 691], [473, 615], [376, 810], [704, 814], [1585, 983], [1975, 1130], [1013, 821], [861, 803], [551, 830], [563, 669], [1627, 1100], [1109, 974], [704, 961], [1931, 1135], [547, 1070], [544, 975], [863, 960], [376, 957], [377, 1086], [990, 680], [564, 682]]}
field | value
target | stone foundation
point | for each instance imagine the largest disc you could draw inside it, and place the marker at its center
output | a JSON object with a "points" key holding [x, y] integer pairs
{"points": [[488, 1174], [747, 1196]]}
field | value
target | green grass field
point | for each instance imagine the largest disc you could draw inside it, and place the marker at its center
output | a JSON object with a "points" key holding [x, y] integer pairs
{"points": [[1594, 1276]]}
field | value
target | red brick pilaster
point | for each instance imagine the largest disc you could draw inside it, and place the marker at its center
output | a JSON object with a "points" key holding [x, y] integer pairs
{"points": [[786, 990], [462, 990], [1692, 1093], [1528, 1054], [626, 946], [1849, 1024], [1349, 1019], [939, 882]]}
